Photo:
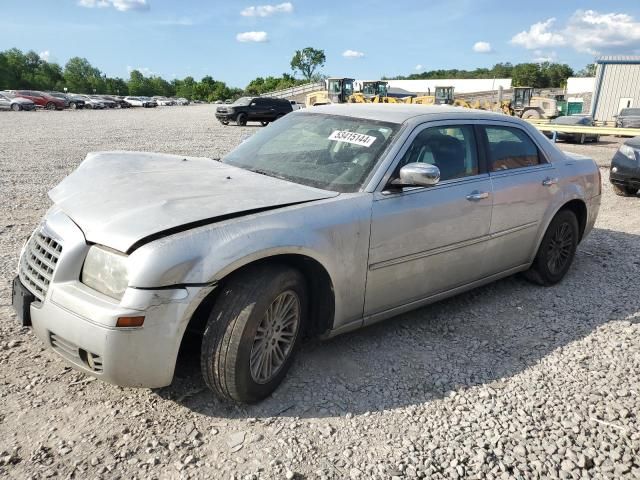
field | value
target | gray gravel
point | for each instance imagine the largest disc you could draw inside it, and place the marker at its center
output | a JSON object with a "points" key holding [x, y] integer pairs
{"points": [[507, 381]]}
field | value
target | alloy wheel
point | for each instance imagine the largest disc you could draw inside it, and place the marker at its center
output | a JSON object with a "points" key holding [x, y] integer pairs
{"points": [[275, 337], [560, 246]]}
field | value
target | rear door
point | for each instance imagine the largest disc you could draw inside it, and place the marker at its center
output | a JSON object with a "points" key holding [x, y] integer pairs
{"points": [[524, 184]]}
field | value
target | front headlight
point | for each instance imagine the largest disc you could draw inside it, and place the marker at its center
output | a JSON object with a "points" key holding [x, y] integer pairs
{"points": [[628, 152], [105, 270]]}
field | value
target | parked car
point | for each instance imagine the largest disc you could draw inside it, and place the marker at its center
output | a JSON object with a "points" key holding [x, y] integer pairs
{"points": [[628, 118], [332, 219], [92, 103], [9, 101], [254, 109], [117, 101], [624, 173], [138, 101], [42, 99], [579, 121], [73, 102], [149, 102], [164, 101], [105, 101], [182, 101]]}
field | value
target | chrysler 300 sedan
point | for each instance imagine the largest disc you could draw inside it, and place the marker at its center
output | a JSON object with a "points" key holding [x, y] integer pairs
{"points": [[330, 219]]}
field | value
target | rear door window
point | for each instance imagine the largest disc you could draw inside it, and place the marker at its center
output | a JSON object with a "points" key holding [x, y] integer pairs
{"points": [[510, 148]]}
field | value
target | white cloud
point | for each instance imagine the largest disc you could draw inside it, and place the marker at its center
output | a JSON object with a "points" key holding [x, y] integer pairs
{"points": [[419, 67], [120, 5], [352, 54], [539, 36], [594, 33], [46, 55], [252, 37], [542, 57], [586, 31], [482, 47], [267, 10]]}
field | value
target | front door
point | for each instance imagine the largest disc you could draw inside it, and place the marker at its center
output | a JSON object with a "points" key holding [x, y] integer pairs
{"points": [[427, 240]]}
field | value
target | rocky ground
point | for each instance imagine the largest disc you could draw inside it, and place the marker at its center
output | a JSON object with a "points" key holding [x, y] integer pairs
{"points": [[507, 381]]}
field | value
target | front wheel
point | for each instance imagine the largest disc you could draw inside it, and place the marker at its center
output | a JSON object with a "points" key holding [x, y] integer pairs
{"points": [[50, 106], [253, 331], [241, 119], [16, 107], [557, 249]]}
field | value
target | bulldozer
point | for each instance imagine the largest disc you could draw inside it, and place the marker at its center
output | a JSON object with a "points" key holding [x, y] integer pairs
{"points": [[525, 105], [339, 90]]}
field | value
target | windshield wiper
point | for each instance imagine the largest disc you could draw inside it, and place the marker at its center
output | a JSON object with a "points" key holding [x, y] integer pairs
{"points": [[266, 173]]}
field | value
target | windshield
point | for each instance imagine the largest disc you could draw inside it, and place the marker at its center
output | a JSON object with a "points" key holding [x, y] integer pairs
{"points": [[324, 151], [243, 101], [630, 111]]}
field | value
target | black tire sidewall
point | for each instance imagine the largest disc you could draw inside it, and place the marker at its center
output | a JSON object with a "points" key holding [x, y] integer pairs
{"points": [[232, 327], [540, 263]]}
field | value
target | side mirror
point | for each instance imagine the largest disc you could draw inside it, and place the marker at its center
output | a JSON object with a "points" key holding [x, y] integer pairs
{"points": [[419, 175]]}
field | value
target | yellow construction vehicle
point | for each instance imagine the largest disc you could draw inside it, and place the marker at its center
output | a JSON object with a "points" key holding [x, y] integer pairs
{"points": [[339, 90], [526, 105]]}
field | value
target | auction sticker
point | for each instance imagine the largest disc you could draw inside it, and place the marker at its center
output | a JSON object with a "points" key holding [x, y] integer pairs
{"points": [[352, 137]]}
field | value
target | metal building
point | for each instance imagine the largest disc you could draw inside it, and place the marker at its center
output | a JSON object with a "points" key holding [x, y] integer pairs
{"points": [[617, 86]]}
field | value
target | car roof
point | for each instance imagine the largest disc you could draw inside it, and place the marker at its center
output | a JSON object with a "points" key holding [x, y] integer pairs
{"points": [[400, 113]]}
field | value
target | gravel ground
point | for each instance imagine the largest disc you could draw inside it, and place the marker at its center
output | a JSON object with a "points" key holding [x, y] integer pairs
{"points": [[507, 381]]}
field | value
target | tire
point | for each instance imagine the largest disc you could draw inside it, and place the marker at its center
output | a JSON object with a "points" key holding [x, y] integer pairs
{"points": [[623, 190], [88, 106], [73, 106], [596, 139], [230, 336], [264, 124], [50, 106], [582, 138], [241, 119], [16, 107], [556, 251], [225, 123], [531, 113]]}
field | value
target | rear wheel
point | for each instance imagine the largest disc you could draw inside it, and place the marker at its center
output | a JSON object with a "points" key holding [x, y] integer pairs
{"points": [[532, 113], [557, 249], [73, 106], [16, 107], [253, 331], [241, 119], [624, 191]]}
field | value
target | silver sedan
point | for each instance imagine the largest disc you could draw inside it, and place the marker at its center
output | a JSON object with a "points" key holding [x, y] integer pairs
{"points": [[330, 219]]}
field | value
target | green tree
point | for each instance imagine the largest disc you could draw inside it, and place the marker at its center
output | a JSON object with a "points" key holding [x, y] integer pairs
{"points": [[527, 75], [81, 77], [138, 84], [555, 74], [588, 71], [307, 61]]}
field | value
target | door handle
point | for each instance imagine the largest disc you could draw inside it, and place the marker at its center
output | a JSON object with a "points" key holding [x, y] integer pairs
{"points": [[547, 182], [476, 196]]}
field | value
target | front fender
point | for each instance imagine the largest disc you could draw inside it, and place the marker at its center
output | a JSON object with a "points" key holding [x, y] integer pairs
{"points": [[334, 232]]}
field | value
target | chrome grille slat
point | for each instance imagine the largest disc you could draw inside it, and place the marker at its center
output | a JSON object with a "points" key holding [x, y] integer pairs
{"points": [[38, 263]]}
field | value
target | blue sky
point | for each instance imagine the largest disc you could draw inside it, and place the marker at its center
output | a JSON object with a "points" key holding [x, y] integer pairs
{"points": [[237, 40]]}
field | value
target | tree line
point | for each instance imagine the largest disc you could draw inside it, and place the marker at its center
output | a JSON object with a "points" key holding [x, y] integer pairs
{"points": [[537, 75]]}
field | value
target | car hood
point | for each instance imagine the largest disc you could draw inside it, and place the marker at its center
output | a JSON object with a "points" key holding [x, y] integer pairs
{"points": [[121, 199]]}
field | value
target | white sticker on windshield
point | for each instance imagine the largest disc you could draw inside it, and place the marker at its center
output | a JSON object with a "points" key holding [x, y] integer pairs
{"points": [[352, 137]]}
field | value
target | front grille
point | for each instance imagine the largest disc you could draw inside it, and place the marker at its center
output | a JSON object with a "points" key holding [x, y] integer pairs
{"points": [[38, 264], [75, 354]]}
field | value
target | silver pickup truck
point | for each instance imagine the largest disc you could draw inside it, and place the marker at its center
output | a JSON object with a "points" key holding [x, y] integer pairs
{"points": [[330, 219]]}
